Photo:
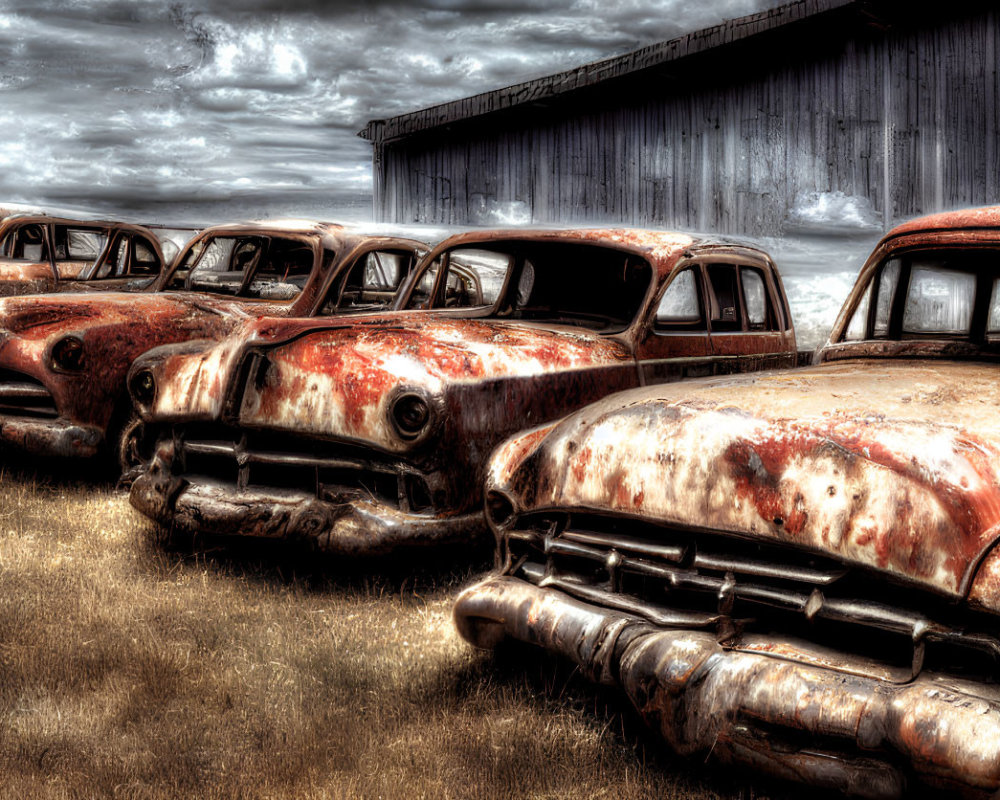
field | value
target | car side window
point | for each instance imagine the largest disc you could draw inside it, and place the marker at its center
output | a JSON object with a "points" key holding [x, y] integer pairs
{"points": [[77, 248], [723, 297], [881, 291], [857, 328], [420, 296], [370, 284], [116, 262], [26, 242], [993, 325], [680, 308], [79, 244], [280, 270], [180, 275], [145, 261], [887, 282], [220, 265], [474, 279], [760, 311]]}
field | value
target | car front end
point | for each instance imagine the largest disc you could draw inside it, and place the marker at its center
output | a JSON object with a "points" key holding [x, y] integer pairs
{"points": [[366, 438], [63, 362], [797, 571], [794, 572]]}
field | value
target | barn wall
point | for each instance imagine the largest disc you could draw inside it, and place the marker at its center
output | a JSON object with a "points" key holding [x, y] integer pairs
{"points": [[906, 119]]}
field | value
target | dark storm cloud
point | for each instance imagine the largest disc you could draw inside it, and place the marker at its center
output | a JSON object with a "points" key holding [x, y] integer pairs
{"points": [[251, 107]]}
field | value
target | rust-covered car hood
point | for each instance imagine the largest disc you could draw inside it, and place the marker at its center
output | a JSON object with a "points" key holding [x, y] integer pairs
{"points": [[338, 382], [43, 316], [891, 466]]}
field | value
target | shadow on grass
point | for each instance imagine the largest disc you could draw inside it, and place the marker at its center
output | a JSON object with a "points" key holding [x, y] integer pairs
{"points": [[414, 572], [58, 474]]}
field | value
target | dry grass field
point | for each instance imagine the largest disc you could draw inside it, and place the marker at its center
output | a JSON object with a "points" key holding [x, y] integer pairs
{"points": [[130, 670]]}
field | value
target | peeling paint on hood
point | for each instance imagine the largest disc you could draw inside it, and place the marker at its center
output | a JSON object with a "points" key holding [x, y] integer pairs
{"points": [[896, 468], [338, 382]]}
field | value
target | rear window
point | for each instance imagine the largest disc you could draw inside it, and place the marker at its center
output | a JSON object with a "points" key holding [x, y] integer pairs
{"points": [[939, 300]]}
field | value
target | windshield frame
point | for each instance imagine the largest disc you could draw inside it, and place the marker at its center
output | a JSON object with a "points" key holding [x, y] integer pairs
{"points": [[977, 344]]}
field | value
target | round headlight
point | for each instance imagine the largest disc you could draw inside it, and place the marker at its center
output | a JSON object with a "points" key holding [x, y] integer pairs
{"points": [[143, 387], [499, 509], [411, 415], [67, 353]]}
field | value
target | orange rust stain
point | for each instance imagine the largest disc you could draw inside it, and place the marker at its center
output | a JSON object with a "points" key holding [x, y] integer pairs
{"points": [[581, 464], [517, 449], [357, 361], [987, 217], [758, 465]]}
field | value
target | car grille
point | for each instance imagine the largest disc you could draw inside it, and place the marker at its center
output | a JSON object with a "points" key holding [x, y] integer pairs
{"points": [[266, 460], [24, 396], [743, 589]]}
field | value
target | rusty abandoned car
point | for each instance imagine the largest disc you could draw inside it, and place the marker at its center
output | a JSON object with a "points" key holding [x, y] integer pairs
{"points": [[795, 571], [64, 359], [41, 254], [362, 437]]}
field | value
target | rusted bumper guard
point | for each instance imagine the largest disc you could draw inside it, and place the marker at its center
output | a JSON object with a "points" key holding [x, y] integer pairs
{"points": [[787, 715], [358, 528]]}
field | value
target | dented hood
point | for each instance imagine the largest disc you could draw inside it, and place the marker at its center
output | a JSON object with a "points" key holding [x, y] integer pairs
{"points": [[892, 466], [339, 382]]}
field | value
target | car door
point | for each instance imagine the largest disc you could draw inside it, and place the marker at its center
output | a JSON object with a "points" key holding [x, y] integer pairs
{"points": [[370, 282], [747, 322], [676, 343]]}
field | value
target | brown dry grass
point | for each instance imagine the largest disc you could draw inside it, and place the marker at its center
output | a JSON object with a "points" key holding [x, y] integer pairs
{"points": [[130, 671]]}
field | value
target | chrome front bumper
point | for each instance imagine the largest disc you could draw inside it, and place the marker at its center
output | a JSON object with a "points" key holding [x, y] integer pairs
{"points": [[775, 707], [362, 527]]}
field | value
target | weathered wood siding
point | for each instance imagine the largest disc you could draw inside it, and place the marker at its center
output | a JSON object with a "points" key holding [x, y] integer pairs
{"points": [[906, 118]]}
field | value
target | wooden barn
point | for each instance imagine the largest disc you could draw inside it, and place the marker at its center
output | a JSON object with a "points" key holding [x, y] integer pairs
{"points": [[893, 104]]}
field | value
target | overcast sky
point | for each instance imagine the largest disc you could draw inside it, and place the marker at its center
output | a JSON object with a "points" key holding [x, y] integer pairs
{"points": [[215, 110]]}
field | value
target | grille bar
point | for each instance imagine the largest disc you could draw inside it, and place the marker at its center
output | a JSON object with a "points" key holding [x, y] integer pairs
{"points": [[25, 391], [240, 453], [878, 615], [267, 460], [705, 579]]}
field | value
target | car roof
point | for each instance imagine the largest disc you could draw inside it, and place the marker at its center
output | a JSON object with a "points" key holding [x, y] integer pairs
{"points": [[962, 219], [332, 235], [662, 248], [45, 219]]}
